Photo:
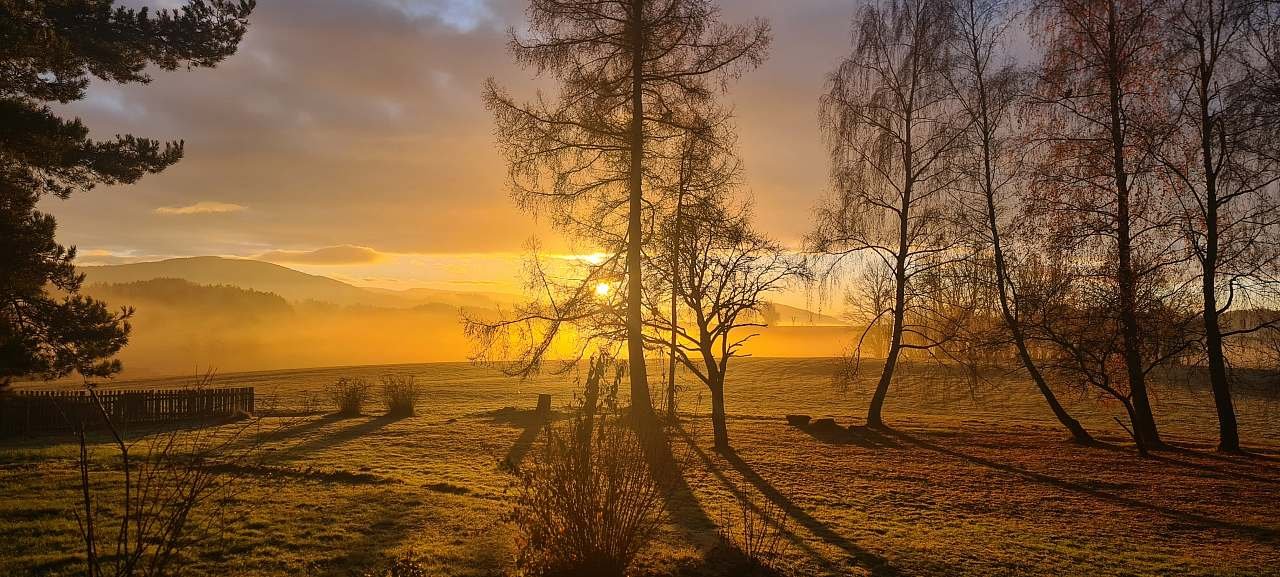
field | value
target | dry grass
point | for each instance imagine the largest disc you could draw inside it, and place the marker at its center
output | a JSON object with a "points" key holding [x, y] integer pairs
{"points": [[971, 482]]}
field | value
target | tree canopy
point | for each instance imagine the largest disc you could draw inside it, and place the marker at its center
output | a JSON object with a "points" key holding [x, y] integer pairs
{"points": [[49, 52]]}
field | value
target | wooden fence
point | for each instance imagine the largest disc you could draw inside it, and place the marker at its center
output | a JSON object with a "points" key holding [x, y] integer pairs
{"points": [[23, 412]]}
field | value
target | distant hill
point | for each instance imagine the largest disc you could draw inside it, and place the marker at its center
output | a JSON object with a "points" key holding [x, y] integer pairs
{"points": [[465, 299], [292, 285], [296, 286], [191, 298], [786, 315]]}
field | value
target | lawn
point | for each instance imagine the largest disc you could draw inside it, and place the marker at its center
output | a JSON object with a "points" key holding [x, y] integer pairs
{"points": [[973, 479]]}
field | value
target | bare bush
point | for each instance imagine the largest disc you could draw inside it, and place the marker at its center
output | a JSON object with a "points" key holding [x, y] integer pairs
{"points": [[401, 394], [178, 488], [758, 532], [404, 565], [349, 394], [590, 501]]}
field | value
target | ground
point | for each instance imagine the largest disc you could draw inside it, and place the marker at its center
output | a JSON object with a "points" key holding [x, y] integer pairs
{"points": [[973, 478]]}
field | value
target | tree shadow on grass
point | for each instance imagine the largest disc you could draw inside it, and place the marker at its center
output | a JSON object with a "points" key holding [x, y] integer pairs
{"points": [[293, 427], [520, 448], [338, 437], [682, 505], [530, 421], [1218, 471], [861, 436], [724, 561], [1263, 534], [878, 565], [1245, 455]]}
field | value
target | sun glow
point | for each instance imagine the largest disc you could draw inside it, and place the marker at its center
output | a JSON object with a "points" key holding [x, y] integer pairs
{"points": [[602, 289]]}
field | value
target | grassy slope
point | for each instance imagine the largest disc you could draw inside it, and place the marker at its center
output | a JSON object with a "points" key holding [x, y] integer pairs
{"points": [[975, 481]]}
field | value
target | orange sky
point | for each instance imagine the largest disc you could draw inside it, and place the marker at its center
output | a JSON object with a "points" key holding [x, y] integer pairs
{"points": [[348, 138]]}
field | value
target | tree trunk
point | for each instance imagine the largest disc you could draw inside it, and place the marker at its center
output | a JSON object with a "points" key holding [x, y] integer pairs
{"points": [[1078, 433], [719, 429], [874, 418], [675, 292], [641, 405], [1144, 422], [1228, 430]]}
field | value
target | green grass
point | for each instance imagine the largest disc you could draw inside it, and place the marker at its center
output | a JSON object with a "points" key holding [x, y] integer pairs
{"points": [[974, 480]]}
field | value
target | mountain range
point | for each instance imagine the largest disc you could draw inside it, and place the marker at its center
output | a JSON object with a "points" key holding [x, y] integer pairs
{"points": [[298, 287], [289, 284]]}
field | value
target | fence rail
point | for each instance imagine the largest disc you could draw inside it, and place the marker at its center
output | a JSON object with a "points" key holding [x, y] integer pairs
{"points": [[23, 412]]}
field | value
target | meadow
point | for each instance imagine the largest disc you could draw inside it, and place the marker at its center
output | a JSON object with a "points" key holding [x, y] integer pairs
{"points": [[973, 478]]}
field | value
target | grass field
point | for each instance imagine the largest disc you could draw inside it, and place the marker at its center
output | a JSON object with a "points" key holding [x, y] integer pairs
{"points": [[973, 479]]}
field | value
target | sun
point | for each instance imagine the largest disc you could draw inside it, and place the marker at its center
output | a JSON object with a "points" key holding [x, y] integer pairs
{"points": [[602, 289]]}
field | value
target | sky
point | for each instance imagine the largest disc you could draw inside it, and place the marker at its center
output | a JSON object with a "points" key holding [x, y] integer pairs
{"points": [[348, 138]]}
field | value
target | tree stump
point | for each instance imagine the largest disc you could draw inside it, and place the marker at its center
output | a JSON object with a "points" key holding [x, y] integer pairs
{"points": [[544, 406]]}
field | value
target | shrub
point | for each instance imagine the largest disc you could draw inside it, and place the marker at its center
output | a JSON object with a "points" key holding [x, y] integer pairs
{"points": [[589, 501], [349, 394], [173, 492], [758, 532], [401, 394], [405, 565]]}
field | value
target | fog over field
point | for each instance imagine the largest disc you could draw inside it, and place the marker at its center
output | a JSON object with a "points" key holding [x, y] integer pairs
{"points": [[196, 314]]}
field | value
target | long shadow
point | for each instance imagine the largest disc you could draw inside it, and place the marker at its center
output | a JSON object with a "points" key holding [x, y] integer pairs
{"points": [[682, 504], [742, 497], [1219, 471], [302, 425], [521, 447], [338, 437], [530, 421], [97, 433], [862, 436], [1244, 454], [1261, 533], [878, 565]]}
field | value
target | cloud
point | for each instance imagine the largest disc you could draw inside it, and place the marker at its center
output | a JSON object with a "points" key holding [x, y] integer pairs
{"points": [[202, 207], [383, 97], [330, 255], [98, 257]]}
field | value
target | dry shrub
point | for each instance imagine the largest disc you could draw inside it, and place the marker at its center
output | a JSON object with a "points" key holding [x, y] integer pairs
{"points": [[758, 532], [350, 395], [589, 502], [401, 394], [404, 565], [171, 492]]}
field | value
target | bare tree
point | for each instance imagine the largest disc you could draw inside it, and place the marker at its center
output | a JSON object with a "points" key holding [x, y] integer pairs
{"points": [[630, 72], [890, 123], [1071, 313], [988, 90], [707, 168], [1221, 155], [723, 272], [1097, 185]]}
